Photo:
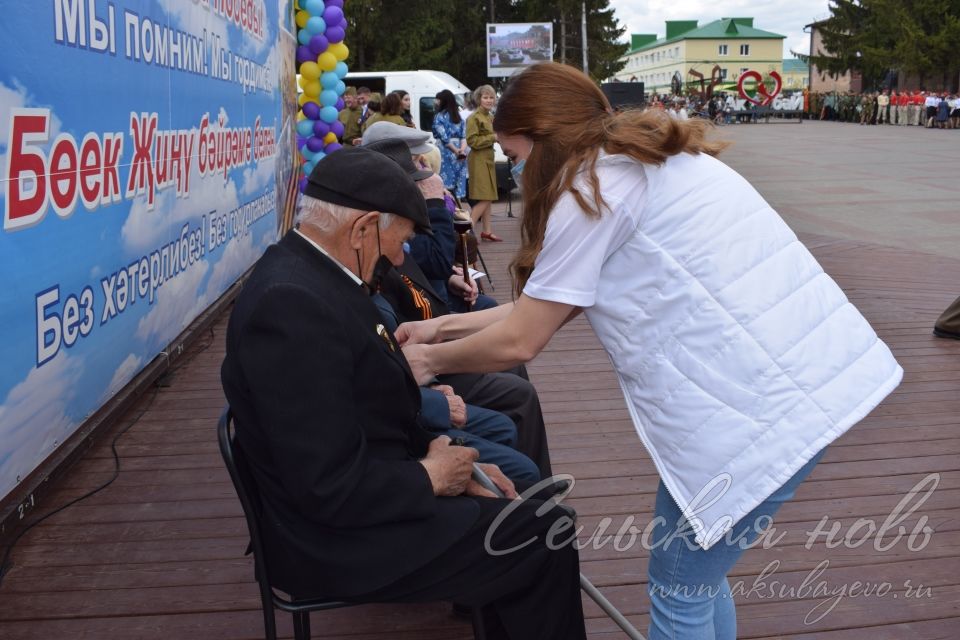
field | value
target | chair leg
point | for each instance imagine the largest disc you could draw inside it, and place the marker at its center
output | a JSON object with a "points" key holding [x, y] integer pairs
{"points": [[301, 625], [479, 628], [269, 622]]}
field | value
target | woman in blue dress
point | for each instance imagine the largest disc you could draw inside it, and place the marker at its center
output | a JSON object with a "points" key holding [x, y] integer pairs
{"points": [[449, 130]]}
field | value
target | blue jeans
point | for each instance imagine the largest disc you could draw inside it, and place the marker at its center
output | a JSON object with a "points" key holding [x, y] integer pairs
{"points": [[494, 436], [690, 596]]}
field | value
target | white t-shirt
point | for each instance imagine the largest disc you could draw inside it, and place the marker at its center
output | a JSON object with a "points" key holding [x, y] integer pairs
{"points": [[575, 247]]}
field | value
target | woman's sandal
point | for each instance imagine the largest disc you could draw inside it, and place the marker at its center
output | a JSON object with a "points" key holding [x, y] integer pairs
{"points": [[492, 237]]}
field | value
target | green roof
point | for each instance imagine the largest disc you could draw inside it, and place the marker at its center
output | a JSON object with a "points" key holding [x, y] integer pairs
{"points": [[724, 28], [793, 65]]}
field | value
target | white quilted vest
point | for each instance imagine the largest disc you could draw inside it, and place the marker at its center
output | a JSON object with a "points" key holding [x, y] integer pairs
{"points": [[738, 356]]}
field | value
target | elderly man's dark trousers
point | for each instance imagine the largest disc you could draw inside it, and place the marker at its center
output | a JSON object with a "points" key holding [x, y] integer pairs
{"points": [[510, 393], [531, 593]]}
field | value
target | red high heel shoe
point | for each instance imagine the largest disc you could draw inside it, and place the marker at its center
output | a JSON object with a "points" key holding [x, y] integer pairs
{"points": [[491, 237]]}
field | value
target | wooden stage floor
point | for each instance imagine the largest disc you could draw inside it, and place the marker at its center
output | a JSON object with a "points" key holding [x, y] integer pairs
{"points": [[159, 553]]}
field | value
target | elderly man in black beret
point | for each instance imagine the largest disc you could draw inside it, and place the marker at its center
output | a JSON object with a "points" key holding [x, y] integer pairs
{"points": [[360, 503]]}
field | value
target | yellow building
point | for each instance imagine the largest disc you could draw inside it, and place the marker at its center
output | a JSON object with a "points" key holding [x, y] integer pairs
{"points": [[732, 44], [796, 74]]}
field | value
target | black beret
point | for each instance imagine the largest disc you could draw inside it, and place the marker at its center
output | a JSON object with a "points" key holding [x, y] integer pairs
{"points": [[363, 179]]}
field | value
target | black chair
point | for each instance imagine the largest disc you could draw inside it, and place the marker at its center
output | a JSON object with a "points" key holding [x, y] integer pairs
{"points": [[250, 500], [246, 489]]}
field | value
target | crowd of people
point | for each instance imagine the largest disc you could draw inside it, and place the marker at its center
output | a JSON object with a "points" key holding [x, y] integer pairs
{"points": [[891, 107], [363, 396], [463, 137], [904, 108]]}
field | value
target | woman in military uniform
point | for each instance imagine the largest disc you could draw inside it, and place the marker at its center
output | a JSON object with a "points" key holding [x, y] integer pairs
{"points": [[480, 166]]}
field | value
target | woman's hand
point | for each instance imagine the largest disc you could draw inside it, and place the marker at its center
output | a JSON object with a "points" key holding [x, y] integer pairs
{"points": [[418, 358], [420, 332]]}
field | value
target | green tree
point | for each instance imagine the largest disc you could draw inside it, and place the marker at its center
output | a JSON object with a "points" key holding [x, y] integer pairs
{"points": [[450, 35], [603, 33], [874, 37]]}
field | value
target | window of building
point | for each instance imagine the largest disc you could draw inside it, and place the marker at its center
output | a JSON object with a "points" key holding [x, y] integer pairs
{"points": [[722, 50], [676, 52], [744, 69], [744, 49], [723, 74]]}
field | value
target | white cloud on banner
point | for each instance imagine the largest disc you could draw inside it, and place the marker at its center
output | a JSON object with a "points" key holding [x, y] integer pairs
{"points": [[147, 229], [237, 258], [262, 174], [123, 374], [176, 305], [33, 417], [17, 97]]}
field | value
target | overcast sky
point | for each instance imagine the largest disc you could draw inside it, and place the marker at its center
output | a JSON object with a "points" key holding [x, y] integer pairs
{"points": [[786, 17]]}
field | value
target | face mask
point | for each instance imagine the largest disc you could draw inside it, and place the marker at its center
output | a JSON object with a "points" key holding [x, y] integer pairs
{"points": [[380, 270], [517, 172]]}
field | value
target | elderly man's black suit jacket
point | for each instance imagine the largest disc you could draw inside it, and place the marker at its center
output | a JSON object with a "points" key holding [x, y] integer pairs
{"points": [[326, 410]]}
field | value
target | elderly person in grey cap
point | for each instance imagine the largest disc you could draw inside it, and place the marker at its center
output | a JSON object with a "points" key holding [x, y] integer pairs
{"points": [[358, 502], [434, 255]]}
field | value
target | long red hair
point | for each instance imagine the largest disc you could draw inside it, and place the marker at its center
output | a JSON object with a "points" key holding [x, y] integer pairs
{"points": [[568, 133]]}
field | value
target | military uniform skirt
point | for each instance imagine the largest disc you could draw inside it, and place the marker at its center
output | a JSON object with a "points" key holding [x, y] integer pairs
{"points": [[482, 174]]}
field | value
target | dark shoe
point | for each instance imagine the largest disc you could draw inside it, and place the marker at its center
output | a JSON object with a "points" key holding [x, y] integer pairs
{"points": [[940, 333]]}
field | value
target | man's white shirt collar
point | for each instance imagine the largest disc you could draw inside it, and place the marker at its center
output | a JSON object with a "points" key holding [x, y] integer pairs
{"points": [[352, 275]]}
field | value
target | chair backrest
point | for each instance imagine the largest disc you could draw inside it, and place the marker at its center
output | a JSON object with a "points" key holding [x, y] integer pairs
{"points": [[246, 489]]}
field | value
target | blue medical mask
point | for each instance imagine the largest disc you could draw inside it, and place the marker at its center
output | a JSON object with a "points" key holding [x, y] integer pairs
{"points": [[517, 172]]}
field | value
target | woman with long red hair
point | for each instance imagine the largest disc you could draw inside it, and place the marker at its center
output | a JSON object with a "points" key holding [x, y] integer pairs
{"points": [[740, 360]]}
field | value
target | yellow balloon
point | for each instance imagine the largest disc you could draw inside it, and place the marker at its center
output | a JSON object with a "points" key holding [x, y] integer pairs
{"points": [[300, 116], [303, 99], [339, 51], [327, 61], [301, 18], [330, 138], [312, 89], [310, 70]]}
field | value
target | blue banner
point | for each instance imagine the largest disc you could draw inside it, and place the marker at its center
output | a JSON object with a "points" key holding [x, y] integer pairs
{"points": [[146, 159]]}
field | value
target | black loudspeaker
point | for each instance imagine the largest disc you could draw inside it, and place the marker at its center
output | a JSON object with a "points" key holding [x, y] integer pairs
{"points": [[624, 95]]}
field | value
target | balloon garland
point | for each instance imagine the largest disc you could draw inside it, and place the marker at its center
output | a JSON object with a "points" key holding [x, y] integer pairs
{"points": [[321, 56]]}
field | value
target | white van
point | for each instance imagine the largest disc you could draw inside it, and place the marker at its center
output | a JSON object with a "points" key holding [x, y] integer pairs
{"points": [[423, 86]]}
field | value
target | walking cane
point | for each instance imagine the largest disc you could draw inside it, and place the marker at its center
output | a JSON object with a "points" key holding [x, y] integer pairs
{"points": [[585, 585]]}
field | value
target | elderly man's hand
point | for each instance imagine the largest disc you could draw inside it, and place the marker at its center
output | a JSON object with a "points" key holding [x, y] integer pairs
{"points": [[503, 483], [461, 289], [449, 467], [432, 187], [458, 408]]}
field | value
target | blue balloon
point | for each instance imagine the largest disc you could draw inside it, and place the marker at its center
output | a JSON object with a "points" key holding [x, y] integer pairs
{"points": [[329, 114], [341, 69], [334, 3], [340, 88], [316, 25], [308, 168], [303, 36], [329, 80], [306, 153], [328, 98], [305, 128], [313, 7]]}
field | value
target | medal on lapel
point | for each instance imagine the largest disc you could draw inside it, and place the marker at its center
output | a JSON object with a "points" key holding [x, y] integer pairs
{"points": [[382, 332]]}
